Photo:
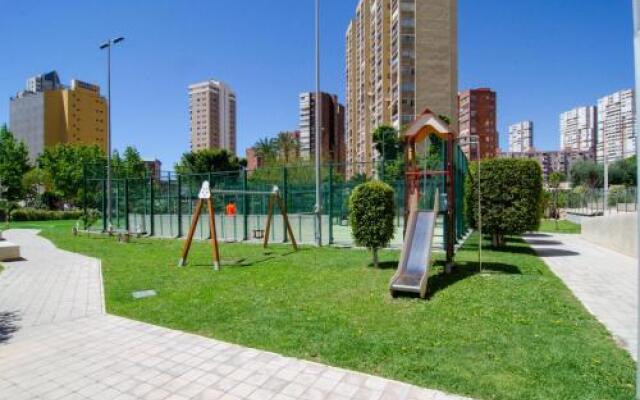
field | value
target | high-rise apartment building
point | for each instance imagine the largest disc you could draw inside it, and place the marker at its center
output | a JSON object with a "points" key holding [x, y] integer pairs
{"points": [[578, 129], [616, 138], [212, 106], [48, 113], [478, 117], [401, 58], [333, 118], [521, 137]]}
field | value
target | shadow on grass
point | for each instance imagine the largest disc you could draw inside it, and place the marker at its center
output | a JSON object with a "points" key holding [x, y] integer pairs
{"points": [[466, 270], [385, 265], [8, 325]]}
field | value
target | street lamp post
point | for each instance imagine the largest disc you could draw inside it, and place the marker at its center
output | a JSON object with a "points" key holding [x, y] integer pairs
{"points": [[107, 45], [318, 129]]}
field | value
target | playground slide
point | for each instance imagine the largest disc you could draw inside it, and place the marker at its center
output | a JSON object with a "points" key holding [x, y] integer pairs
{"points": [[415, 260]]}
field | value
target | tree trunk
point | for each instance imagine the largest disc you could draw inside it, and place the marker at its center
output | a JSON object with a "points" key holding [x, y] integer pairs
{"points": [[497, 239], [375, 257]]}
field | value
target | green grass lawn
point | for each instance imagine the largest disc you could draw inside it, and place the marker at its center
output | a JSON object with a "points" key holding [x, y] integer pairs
{"points": [[512, 332], [564, 226]]}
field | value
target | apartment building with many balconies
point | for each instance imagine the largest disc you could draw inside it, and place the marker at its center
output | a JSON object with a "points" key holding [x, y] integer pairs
{"points": [[521, 137], [478, 123], [578, 128], [401, 58], [332, 126], [616, 138], [212, 108]]}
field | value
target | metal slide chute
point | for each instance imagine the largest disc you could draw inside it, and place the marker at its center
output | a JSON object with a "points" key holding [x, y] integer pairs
{"points": [[415, 261]]}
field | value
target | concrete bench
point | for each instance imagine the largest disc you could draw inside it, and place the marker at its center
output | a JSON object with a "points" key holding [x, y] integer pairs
{"points": [[9, 251]]}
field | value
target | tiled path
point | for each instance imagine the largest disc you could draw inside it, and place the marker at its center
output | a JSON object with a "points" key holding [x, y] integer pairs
{"points": [[605, 281], [56, 342]]}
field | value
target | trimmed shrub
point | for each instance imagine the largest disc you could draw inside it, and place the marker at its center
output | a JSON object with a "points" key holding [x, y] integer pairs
{"points": [[34, 214], [511, 197], [371, 211]]}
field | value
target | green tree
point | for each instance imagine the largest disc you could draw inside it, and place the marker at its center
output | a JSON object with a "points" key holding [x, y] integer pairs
{"points": [[36, 183], [65, 165], [210, 160], [130, 164], [266, 150], [14, 163], [371, 211], [587, 173], [511, 197], [387, 143], [623, 172], [288, 147]]}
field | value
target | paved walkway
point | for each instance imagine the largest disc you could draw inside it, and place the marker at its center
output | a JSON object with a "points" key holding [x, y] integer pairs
{"points": [[605, 281], [56, 342]]}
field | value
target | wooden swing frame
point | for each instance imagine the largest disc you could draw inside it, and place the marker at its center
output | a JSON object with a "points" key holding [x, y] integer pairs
{"points": [[274, 198]]}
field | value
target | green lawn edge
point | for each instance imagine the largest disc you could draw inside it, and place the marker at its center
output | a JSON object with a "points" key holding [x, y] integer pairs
{"points": [[563, 226]]}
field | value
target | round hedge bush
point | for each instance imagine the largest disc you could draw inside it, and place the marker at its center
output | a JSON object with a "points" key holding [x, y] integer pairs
{"points": [[371, 212]]}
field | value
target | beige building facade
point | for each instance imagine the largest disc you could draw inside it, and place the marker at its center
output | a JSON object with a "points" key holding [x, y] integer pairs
{"points": [[401, 58], [212, 108]]}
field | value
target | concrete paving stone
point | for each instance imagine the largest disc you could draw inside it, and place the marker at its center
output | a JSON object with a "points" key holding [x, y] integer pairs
{"points": [[280, 396], [229, 396], [107, 394], [208, 379], [325, 384], [314, 394], [294, 389], [274, 384], [261, 394], [157, 394], [192, 390], [226, 384], [141, 389], [242, 389], [211, 394], [345, 389]]}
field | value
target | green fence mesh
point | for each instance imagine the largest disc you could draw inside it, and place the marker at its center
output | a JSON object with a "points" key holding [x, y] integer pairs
{"points": [[163, 205]]}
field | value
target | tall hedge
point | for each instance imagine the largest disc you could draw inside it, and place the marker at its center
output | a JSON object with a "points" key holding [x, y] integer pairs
{"points": [[511, 197], [371, 208]]}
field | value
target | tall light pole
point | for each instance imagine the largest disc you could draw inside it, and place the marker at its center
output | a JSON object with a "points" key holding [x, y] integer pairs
{"points": [[636, 29], [318, 126], [107, 45]]}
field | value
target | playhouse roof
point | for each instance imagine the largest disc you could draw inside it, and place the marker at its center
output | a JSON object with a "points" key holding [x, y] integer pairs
{"points": [[427, 124]]}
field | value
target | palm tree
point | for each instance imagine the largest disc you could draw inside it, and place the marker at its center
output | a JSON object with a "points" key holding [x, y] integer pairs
{"points": [[266, 149], [287, 146]]}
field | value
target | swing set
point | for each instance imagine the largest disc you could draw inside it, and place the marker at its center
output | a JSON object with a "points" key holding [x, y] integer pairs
{"points": [[205, 196]]}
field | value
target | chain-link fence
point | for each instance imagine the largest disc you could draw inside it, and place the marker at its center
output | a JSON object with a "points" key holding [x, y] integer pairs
{"points": [[162, 205], [590, 202]]}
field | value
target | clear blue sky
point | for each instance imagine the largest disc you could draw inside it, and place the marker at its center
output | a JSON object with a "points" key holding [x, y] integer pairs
{"points": [[541, 56]]}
